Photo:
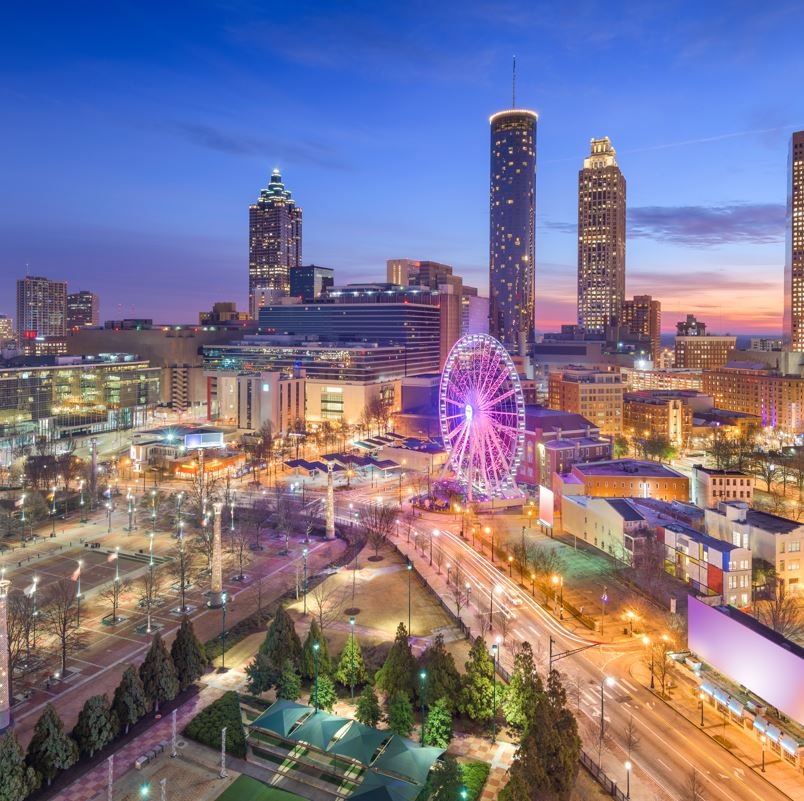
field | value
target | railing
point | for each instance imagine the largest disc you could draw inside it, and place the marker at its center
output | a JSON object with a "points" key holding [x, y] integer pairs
{"points": [[599, 775]]}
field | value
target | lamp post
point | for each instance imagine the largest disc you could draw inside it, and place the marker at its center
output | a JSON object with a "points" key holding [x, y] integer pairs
{"points": [[153, 511], [109, 514], [510, 567], [81, 501], [130, 499], [223, 632], [533, 584], [449, 569], [490, 534], [763, 740], [352, 622], [701, 700], [422, 679], [22, 515], [608, 681], [34, 613], [410, 578], [630, 616], [604, 599], [433, 534], [316, 646], [179, 498], [558, 583], [53, 509], [494, 651], [78, 594], [628, 767], [646, 641], [304, 580]]}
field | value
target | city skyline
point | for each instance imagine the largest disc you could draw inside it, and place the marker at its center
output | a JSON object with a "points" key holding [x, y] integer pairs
{"points": [[707, 181]]}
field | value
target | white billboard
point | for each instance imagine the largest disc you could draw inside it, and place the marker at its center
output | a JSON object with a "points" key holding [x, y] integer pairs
{"points": [[546, 506], [207, 439]]}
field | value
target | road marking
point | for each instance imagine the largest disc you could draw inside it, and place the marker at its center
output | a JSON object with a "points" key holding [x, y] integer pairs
{"points": [[627, 684], [663, 763]]}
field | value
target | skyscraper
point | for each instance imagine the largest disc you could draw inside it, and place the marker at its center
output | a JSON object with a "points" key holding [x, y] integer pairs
{"points": [[512, 223], [642, 316], [794, 263], [601, 239], [41, 307], [275, 240], [83, 310]]}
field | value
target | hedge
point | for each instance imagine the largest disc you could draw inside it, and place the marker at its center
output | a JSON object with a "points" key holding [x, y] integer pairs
{"points": [[206, 726], [474, 775]]}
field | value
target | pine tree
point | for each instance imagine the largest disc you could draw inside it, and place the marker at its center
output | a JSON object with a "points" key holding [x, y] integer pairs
{"points": [[368, 710], [477, 694], [443, 679], [444, 781], [326, 693], [352, 654], [158, 674], [18, 779], [438, 728], [308, 653], [96, 726], [188, 654], [261, 674], [400, 714], [50, 749], [289, 684], [281, 642], [396, 675], [129, 702], [525, 691]]}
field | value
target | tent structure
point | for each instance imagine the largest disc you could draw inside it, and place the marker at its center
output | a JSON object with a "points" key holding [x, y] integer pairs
{"points": [[376, 787], [281, 717], [406, 759], [359, 742], [318, 730]]}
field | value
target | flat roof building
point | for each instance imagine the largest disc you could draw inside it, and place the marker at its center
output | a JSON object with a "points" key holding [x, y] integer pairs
{"points": [[596, 395]]}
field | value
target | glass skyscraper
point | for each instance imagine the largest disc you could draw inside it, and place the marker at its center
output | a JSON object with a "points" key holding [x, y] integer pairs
{"points": [[512, 224], [794, 262]]}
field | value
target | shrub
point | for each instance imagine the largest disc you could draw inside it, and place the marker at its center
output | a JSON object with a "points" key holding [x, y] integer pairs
{"points": [[473, 776], [206, 726]]}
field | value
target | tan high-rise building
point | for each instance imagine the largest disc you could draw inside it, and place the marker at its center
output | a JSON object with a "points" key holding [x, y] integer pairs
{"points": [[601, 238], [664, 413], [275, 240], [794, 263], [698, 352], [642, 316], [595, 394], [41, 307]]}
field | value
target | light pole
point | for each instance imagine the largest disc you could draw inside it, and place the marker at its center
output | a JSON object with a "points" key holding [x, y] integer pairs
{"points": [[434, 533], [489, 533], [533, 584], [109, 514], [153, 511], [304, 581], [410, 587], [179, 498], [316, 646], [628, 767], [604, 599], [494, 651], [78, 594], [422, 679], [223, 632], [646, 641], [53, 509], [510, 567], [701, 700], [81, 501], [22, 515], [558, 583], [130, 499], [763, 739], [352, 622], [35, 613], [608, 681], [449, 569]]}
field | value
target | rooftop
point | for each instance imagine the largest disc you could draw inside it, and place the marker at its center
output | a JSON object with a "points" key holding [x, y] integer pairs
{"points": [[761, 629], [540, 417], [699, 536], [627, 467], [625, 509], [711, 471]]}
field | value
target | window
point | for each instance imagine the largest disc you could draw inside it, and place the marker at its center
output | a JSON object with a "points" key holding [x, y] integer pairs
{"points": [[794, 547], [793, 565]]}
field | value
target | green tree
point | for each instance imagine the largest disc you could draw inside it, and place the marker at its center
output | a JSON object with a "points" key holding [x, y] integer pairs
{"points": [[50, 749], [444, 781], [368, 710], [443, 679], [158, 674], [96, 727], [187, 652], [438, 730], [129, 702], [351, 654], [19, 779], [477, 693], [206, 726], [620, 446], [289, 684], [261, 674], [308, 653], [396, 674], [326, 693], [281, 643], [524, 691], [400, 714]]}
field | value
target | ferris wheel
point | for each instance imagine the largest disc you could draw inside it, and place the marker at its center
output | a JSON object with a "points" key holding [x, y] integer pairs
{"points": [[482, 413]]}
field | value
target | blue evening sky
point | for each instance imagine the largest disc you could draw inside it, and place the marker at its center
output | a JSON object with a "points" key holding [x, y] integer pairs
{"points": [[135, 135]]}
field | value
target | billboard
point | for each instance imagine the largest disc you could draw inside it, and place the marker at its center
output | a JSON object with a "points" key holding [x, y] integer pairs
{"points": [[769, 666], [208, 439], [546, 506]]}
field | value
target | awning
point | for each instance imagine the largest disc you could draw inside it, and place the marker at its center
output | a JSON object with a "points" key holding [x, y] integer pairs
{"points": [[281, 717], [760, 724], [318, 729], [376, 787], [788, 743], [773, 733], [359, 742], [735, 706], [407, 759], [721, 696], [707, 688]]}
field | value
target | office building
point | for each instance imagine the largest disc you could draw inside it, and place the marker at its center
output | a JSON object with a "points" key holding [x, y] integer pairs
{"points": [[703, 351], [275, 239], [601, 239], [410, 272], [794, 261], [41, 307], [710, 486], [664, 414], [222, 313], [309, 282], [668, 378], [83, 310], [766, 344], [73, 397], [691, 327], [6, 331], [594, 394], [775, 399], [512, 202], [642, 317], [250, 400]]}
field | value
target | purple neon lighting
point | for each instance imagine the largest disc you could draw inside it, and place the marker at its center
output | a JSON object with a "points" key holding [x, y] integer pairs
{"points": [[768, 670], [482, 413]]}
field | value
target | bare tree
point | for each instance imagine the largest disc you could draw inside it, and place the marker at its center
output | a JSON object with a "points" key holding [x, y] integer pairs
{"points": [[111, 594], [545, 561], [183, 567], [378, 521], [438, 558], [150, 586], [327, 601], [575, 689], [781, 612], [242, 554], [61, 614], [694, 787], [458, 588], [483, 623], [20, 625], [631, 737], [662, 663]]}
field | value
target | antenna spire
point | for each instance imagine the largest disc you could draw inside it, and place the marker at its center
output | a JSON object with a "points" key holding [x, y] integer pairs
{"points": [[513, 85]]}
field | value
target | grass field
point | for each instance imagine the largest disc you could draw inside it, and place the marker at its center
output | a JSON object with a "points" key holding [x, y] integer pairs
{"points": [[244, 788]]}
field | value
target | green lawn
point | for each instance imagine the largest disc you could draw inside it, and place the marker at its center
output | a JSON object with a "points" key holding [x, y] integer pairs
{"points": [[244, 788]]}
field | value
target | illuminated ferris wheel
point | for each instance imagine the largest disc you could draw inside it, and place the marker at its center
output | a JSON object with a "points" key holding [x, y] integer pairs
{"points": [[482, 413]]}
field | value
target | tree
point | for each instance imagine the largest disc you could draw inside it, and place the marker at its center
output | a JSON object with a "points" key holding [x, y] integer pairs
{"points": [[188, 654], [620, 446], [400, 714], [525, 690], [631, 737], [694, 789], [288, 686], [781, 612], [158, 674], [326, 693], [378, 521], [327, 600], [477, 693], [308, 660], [396, 674], [261, 673], [351, 664], [61, 614], [443, 679], [444, 781], [111, 594], [20, 626], [240, 540], [150, 587], [97, 725], [281, 641], [438, 730], [129, 702], [368, 710], [50, 749], [19, 780]]}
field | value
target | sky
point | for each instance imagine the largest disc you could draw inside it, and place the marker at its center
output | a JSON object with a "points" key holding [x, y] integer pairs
{"points": [[134, 136]]}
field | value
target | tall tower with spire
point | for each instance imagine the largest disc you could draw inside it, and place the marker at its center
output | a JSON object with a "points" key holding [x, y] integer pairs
{"points": [[275, 242], [512, 222]]}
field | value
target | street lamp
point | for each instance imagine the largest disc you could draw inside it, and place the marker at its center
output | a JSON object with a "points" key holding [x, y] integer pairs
{"points": [[701, 697], [304, 584], [434, 534], [352, 622], [223, 632], [608, 681], [763, 739], [316, 647], [422, 679], [81, 501], [35, 613], [53, 508], [130, 499], [630, 616], [558, 583], [109, 513], [153, 511], [494, 652], [489, 533], [510, 567], [78, 594], [646, 641], [533, 584], [628, 767]]}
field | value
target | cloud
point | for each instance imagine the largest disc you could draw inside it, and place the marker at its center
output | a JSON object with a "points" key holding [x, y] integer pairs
{"points": [[659, 282], [212, 138], [706, 226]]}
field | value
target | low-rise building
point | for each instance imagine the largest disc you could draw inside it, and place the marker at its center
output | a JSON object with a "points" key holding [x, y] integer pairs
{"points": [[771, 538], [672, 378], [700, 352], [597, 395], [666, 413], [710, 486]]}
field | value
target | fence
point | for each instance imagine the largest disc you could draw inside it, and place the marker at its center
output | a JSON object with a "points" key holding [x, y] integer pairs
{"points": [[599, 775]]}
